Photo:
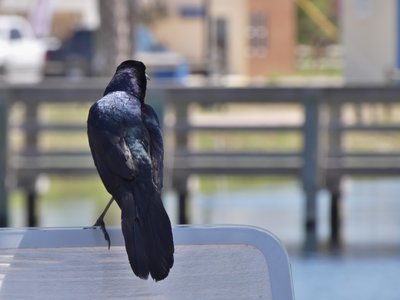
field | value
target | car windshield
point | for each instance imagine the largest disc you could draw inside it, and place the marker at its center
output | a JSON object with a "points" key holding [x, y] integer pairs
{"points": [[15, 34]]}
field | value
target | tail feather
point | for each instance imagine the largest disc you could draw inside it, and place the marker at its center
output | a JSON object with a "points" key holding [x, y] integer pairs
{"points": [[148, 239], [135, 247], [160, 244]]}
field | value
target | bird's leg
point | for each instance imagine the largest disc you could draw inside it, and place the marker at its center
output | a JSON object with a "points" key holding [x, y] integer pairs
{"points": [[100, 222]]}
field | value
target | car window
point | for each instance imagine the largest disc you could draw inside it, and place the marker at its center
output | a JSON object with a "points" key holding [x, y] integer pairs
{"points": [[15, 34]]}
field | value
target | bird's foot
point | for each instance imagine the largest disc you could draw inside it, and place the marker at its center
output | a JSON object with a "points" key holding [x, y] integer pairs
{"points": [[100, 222]]}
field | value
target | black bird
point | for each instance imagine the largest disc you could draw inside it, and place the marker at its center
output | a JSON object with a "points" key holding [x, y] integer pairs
{"points": [[127, 148]]}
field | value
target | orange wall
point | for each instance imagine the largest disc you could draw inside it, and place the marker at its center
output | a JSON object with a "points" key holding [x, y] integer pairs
{"points": [[281, 24]]}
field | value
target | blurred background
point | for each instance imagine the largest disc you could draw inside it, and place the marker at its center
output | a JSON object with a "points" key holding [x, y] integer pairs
{"points": [[279, 114]]}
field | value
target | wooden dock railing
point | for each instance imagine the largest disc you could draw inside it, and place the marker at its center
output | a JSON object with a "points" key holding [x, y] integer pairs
{"points": [[320, 163]]}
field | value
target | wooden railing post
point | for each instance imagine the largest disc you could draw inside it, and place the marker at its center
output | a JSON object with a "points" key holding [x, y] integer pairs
{"points": [[180, 180], [310, 171], [3, 159], [333, 178], [31, 144]]}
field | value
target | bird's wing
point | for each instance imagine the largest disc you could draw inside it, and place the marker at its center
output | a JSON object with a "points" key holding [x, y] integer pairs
{"points": [[156, 144], [111, 152]]}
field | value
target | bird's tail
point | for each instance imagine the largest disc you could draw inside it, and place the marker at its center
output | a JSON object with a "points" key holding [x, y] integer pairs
{"points": [[148, 239]]}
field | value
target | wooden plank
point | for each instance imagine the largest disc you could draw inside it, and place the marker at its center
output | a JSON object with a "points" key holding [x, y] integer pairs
{"points": [[3, 159], [235, 164], [181, 144], [209, 95], [375, 164], [237, 154], [363, 94], [368, 127], [365, 170], [181, 126], [35, 127], [365, 154], [310, 171], [29, 178], [71, 171], [333, 179], [44, 163], [354, 94], [50, 153], [202, 169]]}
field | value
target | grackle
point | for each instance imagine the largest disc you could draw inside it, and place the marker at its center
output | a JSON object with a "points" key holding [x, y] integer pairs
{"points": [[127, 148]]}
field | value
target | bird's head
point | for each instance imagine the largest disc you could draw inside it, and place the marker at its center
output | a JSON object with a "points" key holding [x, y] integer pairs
{"points": [[130, 77]]}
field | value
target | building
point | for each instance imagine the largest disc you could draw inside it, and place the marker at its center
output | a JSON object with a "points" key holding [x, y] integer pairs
{"points": [[369, 33], [243, 37]]}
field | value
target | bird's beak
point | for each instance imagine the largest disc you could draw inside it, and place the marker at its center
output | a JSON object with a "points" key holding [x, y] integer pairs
{"points": [[147, 77]]}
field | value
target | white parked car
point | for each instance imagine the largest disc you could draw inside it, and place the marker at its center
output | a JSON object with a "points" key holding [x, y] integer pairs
{"points": [[22, 56]]}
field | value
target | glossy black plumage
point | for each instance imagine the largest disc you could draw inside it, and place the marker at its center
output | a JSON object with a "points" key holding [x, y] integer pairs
{"points": [[127, 147]]}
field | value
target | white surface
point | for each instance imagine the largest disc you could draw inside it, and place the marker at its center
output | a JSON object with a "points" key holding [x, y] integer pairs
{"points": [[210, 263], [200, 272], [369, 40]]}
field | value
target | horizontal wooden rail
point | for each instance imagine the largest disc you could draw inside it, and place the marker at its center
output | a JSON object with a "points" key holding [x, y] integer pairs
{"points": [[235, 127], [38, 127], [368, 127], [237, 154]]}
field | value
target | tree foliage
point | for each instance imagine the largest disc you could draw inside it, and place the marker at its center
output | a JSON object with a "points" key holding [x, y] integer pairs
{"points": [[308, 32]]}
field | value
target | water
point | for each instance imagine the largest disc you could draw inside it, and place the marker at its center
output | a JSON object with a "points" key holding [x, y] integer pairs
{"points": [[367, 268], [347, 278], [371, 211], [369, 265]]}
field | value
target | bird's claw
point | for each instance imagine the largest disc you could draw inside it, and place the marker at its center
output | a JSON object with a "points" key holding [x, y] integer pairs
{"points": [[102, 225]]}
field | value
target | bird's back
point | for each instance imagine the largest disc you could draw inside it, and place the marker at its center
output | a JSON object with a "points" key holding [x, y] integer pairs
{"points": [[117, 139], [114, 110]]}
